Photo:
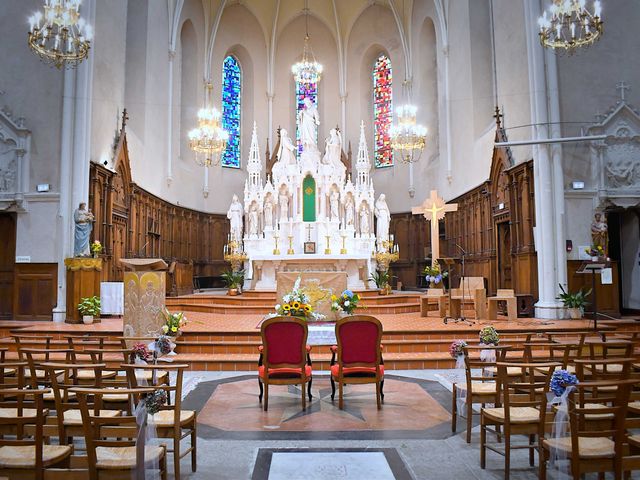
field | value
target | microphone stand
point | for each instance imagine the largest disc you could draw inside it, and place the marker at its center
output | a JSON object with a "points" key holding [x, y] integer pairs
{"points": [[461, 318]]}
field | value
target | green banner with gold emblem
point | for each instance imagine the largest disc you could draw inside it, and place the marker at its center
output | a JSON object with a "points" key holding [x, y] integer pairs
{"points": [[308, 199]]}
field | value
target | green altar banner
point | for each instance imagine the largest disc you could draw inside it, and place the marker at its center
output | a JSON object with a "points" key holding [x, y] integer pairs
{"points": [[308, 199]]}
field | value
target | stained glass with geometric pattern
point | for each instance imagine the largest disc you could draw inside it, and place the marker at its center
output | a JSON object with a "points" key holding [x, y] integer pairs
{"points": [[231, 110], [382, 111], [304, 90]]}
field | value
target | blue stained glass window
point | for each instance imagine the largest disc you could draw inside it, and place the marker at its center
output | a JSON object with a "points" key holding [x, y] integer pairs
{"points": [[382, 111], [304, 90], [231, 109]]}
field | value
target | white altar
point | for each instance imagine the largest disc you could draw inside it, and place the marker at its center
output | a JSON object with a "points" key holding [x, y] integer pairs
{"points": [[309, 215]]}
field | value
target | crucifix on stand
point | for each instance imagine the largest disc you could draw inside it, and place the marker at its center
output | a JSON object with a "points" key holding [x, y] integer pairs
{"points": [[434, 209]]}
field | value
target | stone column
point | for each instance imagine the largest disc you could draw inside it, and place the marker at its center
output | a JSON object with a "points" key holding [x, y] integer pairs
{"points": [[172, 55]]}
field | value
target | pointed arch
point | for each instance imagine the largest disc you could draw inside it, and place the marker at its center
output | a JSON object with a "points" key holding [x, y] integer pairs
{"points": [[382, 111], [231, 109]]}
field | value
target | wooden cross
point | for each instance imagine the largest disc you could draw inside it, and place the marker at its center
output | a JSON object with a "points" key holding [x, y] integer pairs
{"points": [[434, 209]]}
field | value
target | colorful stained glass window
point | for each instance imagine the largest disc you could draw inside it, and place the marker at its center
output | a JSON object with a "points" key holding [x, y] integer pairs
{"points": [[231, 108], [382, 111], [304, 90]]}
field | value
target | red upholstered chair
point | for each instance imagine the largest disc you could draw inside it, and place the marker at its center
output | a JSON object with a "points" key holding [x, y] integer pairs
{"points": [[359, 355], [284, 356]]}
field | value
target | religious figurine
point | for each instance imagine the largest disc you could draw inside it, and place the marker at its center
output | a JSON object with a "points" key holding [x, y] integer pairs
{"points": [[253, 219], [235, 215], [334, 205], [309, 120], [287, 151], [383, 215], [364, 220], [283, 200], [83, 219], [268, 212], [599, 232], [333, 152], [348, 210]]}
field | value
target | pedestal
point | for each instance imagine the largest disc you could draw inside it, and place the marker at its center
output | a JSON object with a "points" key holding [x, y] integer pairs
{"points": [[83, 280]]}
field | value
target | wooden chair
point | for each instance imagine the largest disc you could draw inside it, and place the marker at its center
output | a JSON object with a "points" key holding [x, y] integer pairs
{"points": [[357, 358], [503, 295], [592, 448], [481, 385], [474, 294], [116, 445], [171, 421], [23, 453], [284, 357], [128, 343], [524, 402]]}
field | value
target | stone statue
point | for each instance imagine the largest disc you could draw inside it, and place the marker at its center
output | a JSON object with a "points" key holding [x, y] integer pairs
{"points": [[308, 121], [334, 199], [253, 219], [364, 220], [268, 212], [599, 232], [283, 200], [235, 215], [383, 215], [348, 210], [84, 224], [287, 151]]}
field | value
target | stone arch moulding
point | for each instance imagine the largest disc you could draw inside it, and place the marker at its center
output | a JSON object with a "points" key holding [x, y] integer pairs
{"points": [[15, 149]]}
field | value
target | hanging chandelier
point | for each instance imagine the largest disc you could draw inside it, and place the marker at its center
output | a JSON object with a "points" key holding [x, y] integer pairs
{"points": [[568, 24], [307, 70], [60, 36], [208, 139], [407, 136]]}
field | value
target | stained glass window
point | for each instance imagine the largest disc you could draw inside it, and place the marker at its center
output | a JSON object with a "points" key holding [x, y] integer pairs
{"points": [[231, 97], [304, 90], [382, 111]]}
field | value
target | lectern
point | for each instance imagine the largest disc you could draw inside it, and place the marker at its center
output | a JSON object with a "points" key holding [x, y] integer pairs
{"points": [[144, 295]]}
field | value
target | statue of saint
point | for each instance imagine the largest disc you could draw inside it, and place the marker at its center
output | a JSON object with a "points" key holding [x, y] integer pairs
{"points": [[383, 215], [268, 212], [83, 219], [253, 219], [599, 232], [287, 151], [308, 121], [334, 202], [364, 220], [235, 215], [283, 200], [348, 210]]}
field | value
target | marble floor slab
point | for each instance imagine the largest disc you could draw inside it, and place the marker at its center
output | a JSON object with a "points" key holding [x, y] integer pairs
{"points": [[330, 466]]}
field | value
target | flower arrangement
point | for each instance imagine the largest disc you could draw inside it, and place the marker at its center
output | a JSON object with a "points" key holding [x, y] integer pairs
{"points": [[595, 251], [173, 323], [90, 306], [140, 351], [434, 275], [455, 349], [489, 336], [347, 302], [154, 401], [96, 248], [295, 303], [560, 380], [163, 345]]}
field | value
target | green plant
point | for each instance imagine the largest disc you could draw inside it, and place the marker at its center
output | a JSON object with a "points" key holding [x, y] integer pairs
{"points": [[574, 300], [233, 279], [381, 279], [90, 306]]}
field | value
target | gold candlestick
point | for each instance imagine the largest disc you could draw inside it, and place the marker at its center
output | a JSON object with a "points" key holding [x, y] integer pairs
{"points": [[276, 251], [343, 250], [290, 251], [327, 251]]}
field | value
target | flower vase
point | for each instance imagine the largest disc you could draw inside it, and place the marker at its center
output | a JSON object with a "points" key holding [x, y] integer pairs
{"points": [[96, 254]]}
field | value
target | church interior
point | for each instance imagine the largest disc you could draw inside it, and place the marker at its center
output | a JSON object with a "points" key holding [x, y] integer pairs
{"points": [[360, 239]]}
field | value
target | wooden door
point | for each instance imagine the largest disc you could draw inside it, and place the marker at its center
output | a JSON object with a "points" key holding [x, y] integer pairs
{"points": [[504, 255], [7, 263]]}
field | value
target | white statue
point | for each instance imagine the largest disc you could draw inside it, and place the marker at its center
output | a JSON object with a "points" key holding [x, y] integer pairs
{"points": [[334, 203], [383, 215], [348, 210], [364, 220], [268, 212], [253, 219], [333, 153], [283, 200], [235, 215], [308, 121]]}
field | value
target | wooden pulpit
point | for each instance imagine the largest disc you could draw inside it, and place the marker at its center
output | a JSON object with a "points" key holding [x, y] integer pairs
{"points": [[144, 296], [83, 280]]}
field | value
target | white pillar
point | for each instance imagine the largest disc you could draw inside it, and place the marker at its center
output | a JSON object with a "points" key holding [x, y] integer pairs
{"points": [[343, 115], [447, 107], [270, 96], [172, 55]]}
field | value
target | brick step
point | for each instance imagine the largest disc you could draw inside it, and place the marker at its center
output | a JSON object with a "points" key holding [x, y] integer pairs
{"points": [[391, 308], [245, 301]]}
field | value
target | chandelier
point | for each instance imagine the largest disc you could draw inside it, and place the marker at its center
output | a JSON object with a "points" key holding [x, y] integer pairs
{"points": [[60, 36], [208, 139], [407, 136], [307, 70], [569, 24]]}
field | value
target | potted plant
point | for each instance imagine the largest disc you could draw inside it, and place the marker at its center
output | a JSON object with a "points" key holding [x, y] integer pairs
{"points": [[381, 279], [89, 307], [233, 280], [574, 302]]}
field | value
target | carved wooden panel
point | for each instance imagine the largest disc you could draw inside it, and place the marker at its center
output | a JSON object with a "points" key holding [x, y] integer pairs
{"points": [[7, 263], [35, 291], [608, 297], [411, 233]]}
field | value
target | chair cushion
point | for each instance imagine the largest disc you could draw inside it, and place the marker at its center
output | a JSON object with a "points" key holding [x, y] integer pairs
{"points": [[74, 417], [91, 374], [479, 388], [124, 458], [589, 447], [147, 375], [356, 371], [284, 372], [164, 418], [13, 413], [24, 456], [511, 371], [517, 414]]}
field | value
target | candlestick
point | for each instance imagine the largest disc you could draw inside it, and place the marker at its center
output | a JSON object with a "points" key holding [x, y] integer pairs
{"points": [[290, 251], [276, 251], [343, 251], [327, 251]]}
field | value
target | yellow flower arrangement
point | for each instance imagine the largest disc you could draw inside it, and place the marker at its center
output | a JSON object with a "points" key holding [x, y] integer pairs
{"points": [[296, 303]]}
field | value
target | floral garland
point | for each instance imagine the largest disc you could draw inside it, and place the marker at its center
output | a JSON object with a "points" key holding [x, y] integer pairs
{"points": [[347, 302], [154, 401], [560, 380], [141, 352], [162, 345], [489, 336], [455, 349]]}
